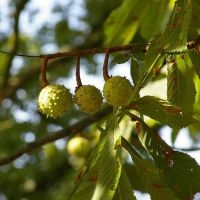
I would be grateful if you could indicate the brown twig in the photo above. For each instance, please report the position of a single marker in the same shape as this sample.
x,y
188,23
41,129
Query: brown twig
x,y
84,52
10,89
78,77
43,73
105,65
75,128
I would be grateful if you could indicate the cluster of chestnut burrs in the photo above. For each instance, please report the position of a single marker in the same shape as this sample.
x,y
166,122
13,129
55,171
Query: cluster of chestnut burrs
x,y
54,100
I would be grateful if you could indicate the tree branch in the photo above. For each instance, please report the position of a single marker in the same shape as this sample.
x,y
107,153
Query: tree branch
x,y
83,52
75,128
19,82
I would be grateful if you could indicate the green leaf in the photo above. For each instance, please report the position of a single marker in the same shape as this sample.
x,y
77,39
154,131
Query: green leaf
x,y
85,186
153,72
109,169
145,73
195,59
100,179
150,175
183,176
138,52
194,128
180,86
135,70
154,180
181,172
163,112
121,58
195,20
124,190
118,29
174,37
134,177
156,13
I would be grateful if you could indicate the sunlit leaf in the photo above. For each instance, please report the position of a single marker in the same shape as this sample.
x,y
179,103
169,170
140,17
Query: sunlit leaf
x,y
174,37
86,181
109,169
123,22
163,112
157,13
101,177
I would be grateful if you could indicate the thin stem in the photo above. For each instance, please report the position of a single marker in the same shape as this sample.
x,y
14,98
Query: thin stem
x,y
84,52
105,65
43,74
140,47
78,77
20,55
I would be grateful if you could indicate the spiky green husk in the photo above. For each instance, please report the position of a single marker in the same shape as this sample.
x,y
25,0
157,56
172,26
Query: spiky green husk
x,y
88,98
54,100
117,90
